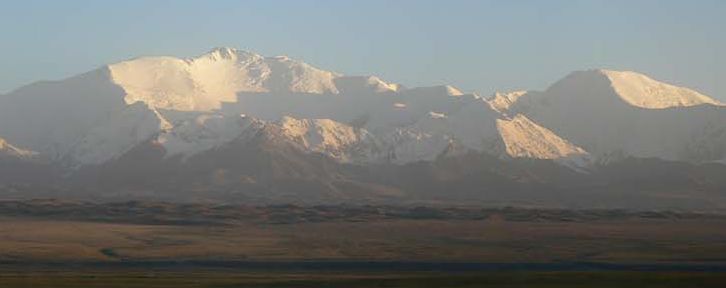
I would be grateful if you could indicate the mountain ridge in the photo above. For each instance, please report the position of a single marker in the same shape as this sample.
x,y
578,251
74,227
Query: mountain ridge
x,y
230,120
227,82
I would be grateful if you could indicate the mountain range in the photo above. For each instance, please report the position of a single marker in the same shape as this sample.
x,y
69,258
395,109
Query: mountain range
x,y
232,125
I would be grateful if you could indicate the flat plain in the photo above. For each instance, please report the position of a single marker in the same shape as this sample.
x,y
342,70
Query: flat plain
x,y
49,244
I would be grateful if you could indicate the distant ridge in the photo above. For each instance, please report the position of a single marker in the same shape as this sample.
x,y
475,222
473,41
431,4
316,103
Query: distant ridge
x,y
236,121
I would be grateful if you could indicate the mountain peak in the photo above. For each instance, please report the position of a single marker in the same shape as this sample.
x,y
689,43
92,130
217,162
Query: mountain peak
x,y
228,53
205,82
223,51
642,91
452,91
502,101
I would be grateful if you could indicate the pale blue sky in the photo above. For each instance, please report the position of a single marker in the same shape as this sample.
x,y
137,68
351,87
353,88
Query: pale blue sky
x,y
479,46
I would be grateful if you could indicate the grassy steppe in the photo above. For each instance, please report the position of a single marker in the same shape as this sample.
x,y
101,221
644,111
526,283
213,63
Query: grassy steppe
x,y
39,242
489,240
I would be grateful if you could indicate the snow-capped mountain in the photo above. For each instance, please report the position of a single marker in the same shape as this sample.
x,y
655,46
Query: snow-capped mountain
x,y
239,122
625,113
191,105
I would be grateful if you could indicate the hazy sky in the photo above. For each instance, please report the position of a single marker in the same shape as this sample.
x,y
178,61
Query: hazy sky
x,y
479,46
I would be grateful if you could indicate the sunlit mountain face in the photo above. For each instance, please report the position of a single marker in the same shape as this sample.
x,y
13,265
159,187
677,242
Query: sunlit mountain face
x,y
235,125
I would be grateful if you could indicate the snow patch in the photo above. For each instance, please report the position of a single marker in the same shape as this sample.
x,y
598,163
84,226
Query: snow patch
x,y
436,115
328,137
10,150
524,138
